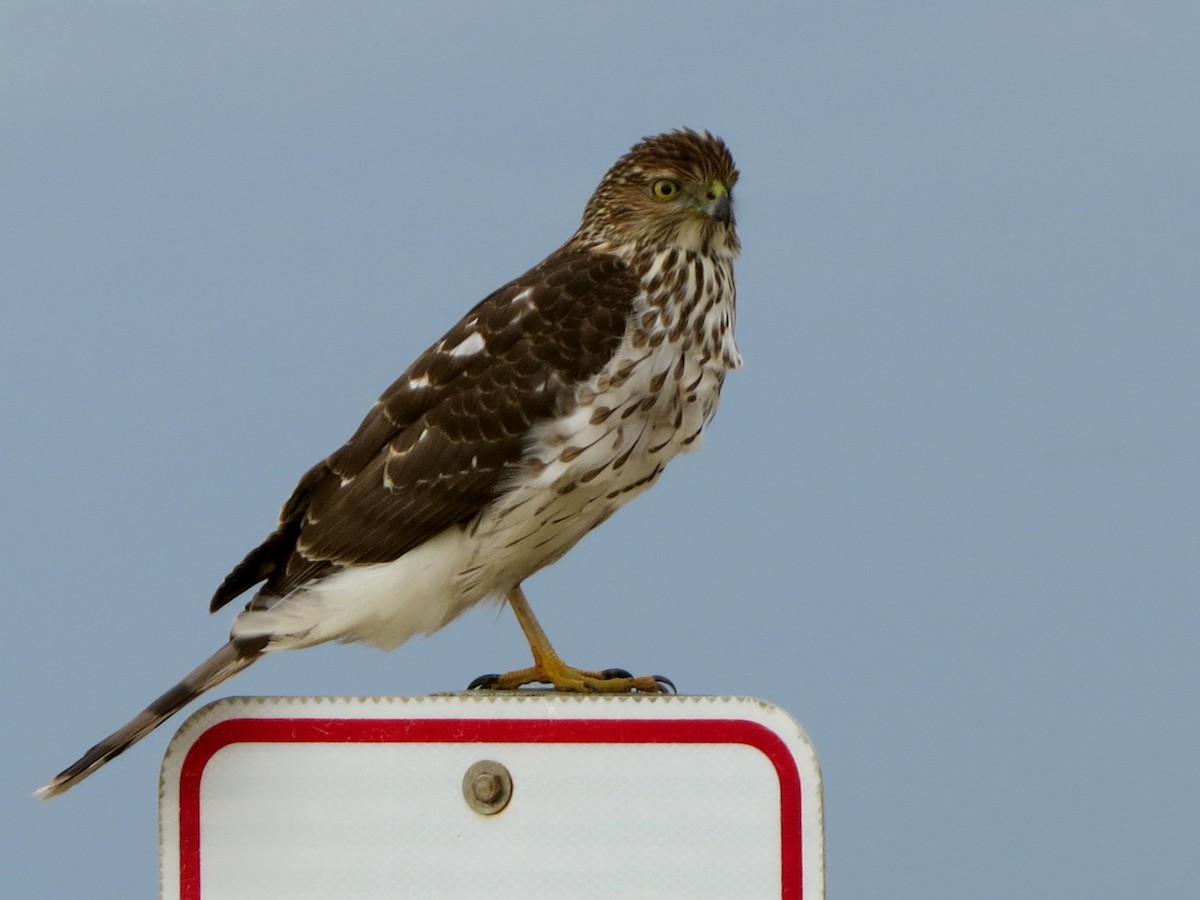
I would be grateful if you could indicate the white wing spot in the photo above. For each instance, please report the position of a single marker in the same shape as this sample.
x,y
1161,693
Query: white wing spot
x,y
421,381
470,345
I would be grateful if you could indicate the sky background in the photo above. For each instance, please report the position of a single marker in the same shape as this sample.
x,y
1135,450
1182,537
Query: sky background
x,y
947,516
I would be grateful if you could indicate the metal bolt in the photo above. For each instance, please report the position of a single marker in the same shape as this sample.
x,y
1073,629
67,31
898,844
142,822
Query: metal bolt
x,y
487,787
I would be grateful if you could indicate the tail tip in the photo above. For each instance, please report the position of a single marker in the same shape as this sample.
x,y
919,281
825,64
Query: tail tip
x,y
51,789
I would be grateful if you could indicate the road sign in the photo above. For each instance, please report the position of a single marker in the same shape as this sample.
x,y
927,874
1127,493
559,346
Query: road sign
x,y
525,795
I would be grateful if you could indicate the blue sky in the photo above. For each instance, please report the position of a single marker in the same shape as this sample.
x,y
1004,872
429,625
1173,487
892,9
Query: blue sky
x,y
947,514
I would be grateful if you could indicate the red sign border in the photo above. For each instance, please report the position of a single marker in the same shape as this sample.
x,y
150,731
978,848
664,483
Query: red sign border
x,y
510,731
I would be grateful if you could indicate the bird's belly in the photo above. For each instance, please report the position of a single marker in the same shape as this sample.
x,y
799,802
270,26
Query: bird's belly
x,y
580,469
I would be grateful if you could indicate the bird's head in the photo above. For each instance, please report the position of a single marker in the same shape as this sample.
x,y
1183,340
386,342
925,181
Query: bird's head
x,y
671,190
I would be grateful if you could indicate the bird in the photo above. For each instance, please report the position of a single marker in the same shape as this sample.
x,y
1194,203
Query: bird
x,y
553,402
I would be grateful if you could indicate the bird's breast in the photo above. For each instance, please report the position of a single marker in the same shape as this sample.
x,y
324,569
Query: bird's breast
x,y
650,402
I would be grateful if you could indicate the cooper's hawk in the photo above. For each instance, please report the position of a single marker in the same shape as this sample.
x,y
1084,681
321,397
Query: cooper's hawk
x,y
554,401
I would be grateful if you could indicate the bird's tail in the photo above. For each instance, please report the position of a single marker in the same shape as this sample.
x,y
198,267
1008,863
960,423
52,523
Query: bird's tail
x,y
228,661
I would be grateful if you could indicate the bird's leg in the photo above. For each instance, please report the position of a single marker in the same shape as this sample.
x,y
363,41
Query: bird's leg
x,y
548,667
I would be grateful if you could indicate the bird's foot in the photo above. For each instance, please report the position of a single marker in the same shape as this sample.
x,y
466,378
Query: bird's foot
x,y
580,681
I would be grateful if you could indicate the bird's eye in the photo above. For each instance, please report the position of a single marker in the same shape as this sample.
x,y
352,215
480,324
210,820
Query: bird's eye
x,y
665,189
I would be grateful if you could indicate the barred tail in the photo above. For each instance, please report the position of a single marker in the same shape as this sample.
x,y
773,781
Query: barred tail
x,y
228,661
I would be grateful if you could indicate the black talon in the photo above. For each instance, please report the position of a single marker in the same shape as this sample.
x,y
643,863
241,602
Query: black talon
x,y
484,682
667,683
615,673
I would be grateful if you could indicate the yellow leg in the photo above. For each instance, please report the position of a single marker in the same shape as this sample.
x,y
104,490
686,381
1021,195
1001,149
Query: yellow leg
x,y
548,667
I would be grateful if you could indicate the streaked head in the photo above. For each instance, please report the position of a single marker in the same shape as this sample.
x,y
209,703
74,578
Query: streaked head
x,y
674,189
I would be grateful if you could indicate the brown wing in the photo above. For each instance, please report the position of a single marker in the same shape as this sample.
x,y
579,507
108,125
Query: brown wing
x,y
438,443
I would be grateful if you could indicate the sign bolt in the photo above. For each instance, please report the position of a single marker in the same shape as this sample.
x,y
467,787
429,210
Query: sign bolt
x,y
487,787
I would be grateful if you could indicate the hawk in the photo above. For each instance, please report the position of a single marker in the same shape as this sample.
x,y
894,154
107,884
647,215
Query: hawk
x,y
552,403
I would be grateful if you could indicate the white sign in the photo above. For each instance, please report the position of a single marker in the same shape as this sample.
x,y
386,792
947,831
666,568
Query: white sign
x,y
521,795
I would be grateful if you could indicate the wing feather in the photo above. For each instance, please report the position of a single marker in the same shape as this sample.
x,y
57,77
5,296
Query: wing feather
x,y
440,442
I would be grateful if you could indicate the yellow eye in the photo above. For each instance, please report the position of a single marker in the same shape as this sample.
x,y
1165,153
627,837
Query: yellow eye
x,y
665,189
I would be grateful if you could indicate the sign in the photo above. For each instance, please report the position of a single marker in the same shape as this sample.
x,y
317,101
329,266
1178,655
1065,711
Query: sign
x,y
512,795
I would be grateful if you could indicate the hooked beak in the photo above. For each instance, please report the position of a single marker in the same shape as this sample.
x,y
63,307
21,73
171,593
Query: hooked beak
x,y
719,204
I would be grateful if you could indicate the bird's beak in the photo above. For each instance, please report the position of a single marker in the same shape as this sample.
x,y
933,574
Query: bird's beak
x,y
719,205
